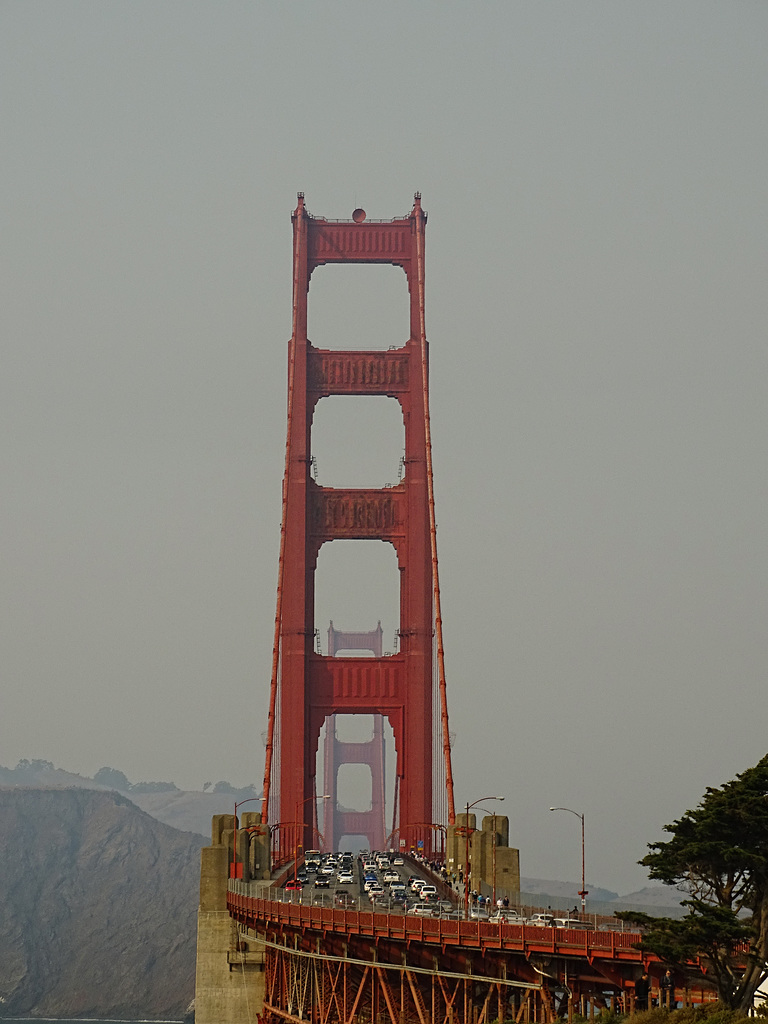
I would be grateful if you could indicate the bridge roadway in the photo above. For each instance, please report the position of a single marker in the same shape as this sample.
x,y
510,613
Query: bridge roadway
x,y
330,964
408,868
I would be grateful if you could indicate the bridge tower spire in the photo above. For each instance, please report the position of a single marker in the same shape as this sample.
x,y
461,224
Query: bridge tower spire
x,y
307,687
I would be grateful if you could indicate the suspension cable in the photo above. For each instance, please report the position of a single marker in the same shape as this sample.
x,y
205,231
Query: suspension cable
x,y
298,234
419,214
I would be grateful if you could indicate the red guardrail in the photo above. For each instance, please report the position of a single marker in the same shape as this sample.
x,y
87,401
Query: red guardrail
x,y
610,945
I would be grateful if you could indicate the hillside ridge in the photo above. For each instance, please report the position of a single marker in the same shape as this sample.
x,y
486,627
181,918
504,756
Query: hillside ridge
x,y
98,906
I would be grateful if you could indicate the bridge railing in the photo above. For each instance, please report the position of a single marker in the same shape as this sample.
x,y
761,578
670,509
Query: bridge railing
x,y
252,910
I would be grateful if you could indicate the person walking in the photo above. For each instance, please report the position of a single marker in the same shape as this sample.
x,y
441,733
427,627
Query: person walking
x,y
642,988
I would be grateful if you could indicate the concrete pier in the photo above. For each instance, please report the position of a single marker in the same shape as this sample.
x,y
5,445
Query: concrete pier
x,y
493,863
229,976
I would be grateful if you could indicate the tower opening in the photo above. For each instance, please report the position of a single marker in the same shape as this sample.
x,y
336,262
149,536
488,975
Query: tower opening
x,y
357,585
358,306
358,442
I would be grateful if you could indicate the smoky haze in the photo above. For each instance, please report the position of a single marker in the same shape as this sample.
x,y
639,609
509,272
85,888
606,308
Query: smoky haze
x,y
594,176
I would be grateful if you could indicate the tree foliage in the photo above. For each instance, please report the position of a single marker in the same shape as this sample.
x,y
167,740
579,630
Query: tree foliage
x,y
154,787
34,767
243,793
113,778
718,855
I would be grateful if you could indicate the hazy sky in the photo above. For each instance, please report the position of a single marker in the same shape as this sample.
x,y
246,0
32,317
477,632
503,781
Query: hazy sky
x,y
595,179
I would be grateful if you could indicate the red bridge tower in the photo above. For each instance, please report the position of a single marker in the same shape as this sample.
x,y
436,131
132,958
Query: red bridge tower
x,y
307,687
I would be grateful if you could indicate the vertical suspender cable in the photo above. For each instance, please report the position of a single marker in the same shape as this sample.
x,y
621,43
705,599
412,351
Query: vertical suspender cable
x,y
298,234
419,215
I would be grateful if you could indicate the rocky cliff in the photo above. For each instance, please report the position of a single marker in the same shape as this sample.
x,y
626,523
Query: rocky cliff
x,y
98,906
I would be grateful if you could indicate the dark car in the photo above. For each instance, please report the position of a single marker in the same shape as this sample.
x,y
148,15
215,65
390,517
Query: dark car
x,y
343,899
322,882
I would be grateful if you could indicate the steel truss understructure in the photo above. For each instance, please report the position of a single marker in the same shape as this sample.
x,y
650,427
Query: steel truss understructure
x,y
334,966
306,986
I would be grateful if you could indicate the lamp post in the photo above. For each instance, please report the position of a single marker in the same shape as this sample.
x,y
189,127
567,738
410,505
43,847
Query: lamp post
x,y
474,803
583,892
300,830
239,803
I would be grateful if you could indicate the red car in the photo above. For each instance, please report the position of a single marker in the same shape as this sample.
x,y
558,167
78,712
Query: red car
x,y
292,885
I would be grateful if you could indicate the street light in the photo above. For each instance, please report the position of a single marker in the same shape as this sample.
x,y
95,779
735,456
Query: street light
x,y
300,830
481,800
583,892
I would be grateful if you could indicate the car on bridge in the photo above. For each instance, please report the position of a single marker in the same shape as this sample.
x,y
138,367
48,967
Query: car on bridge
x,y
422,910
293,885
541,920
506,917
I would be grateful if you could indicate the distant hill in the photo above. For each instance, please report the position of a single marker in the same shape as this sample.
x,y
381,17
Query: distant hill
x,y
570,890
186,810
98,906
655,896
651,899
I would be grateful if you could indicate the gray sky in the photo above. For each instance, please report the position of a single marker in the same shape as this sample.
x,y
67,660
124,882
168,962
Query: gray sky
x,y
594,175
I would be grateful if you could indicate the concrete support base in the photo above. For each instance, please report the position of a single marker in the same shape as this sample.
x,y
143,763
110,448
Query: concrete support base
x,y
229,982
229,976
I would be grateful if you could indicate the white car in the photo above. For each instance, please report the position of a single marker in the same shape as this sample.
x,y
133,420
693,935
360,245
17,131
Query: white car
x,y
506,917
417,883
398,862
541,920
390,876
427,891
424,910
345,878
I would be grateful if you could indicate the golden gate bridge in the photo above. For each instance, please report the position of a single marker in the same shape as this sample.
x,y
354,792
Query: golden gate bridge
x,y
261,957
